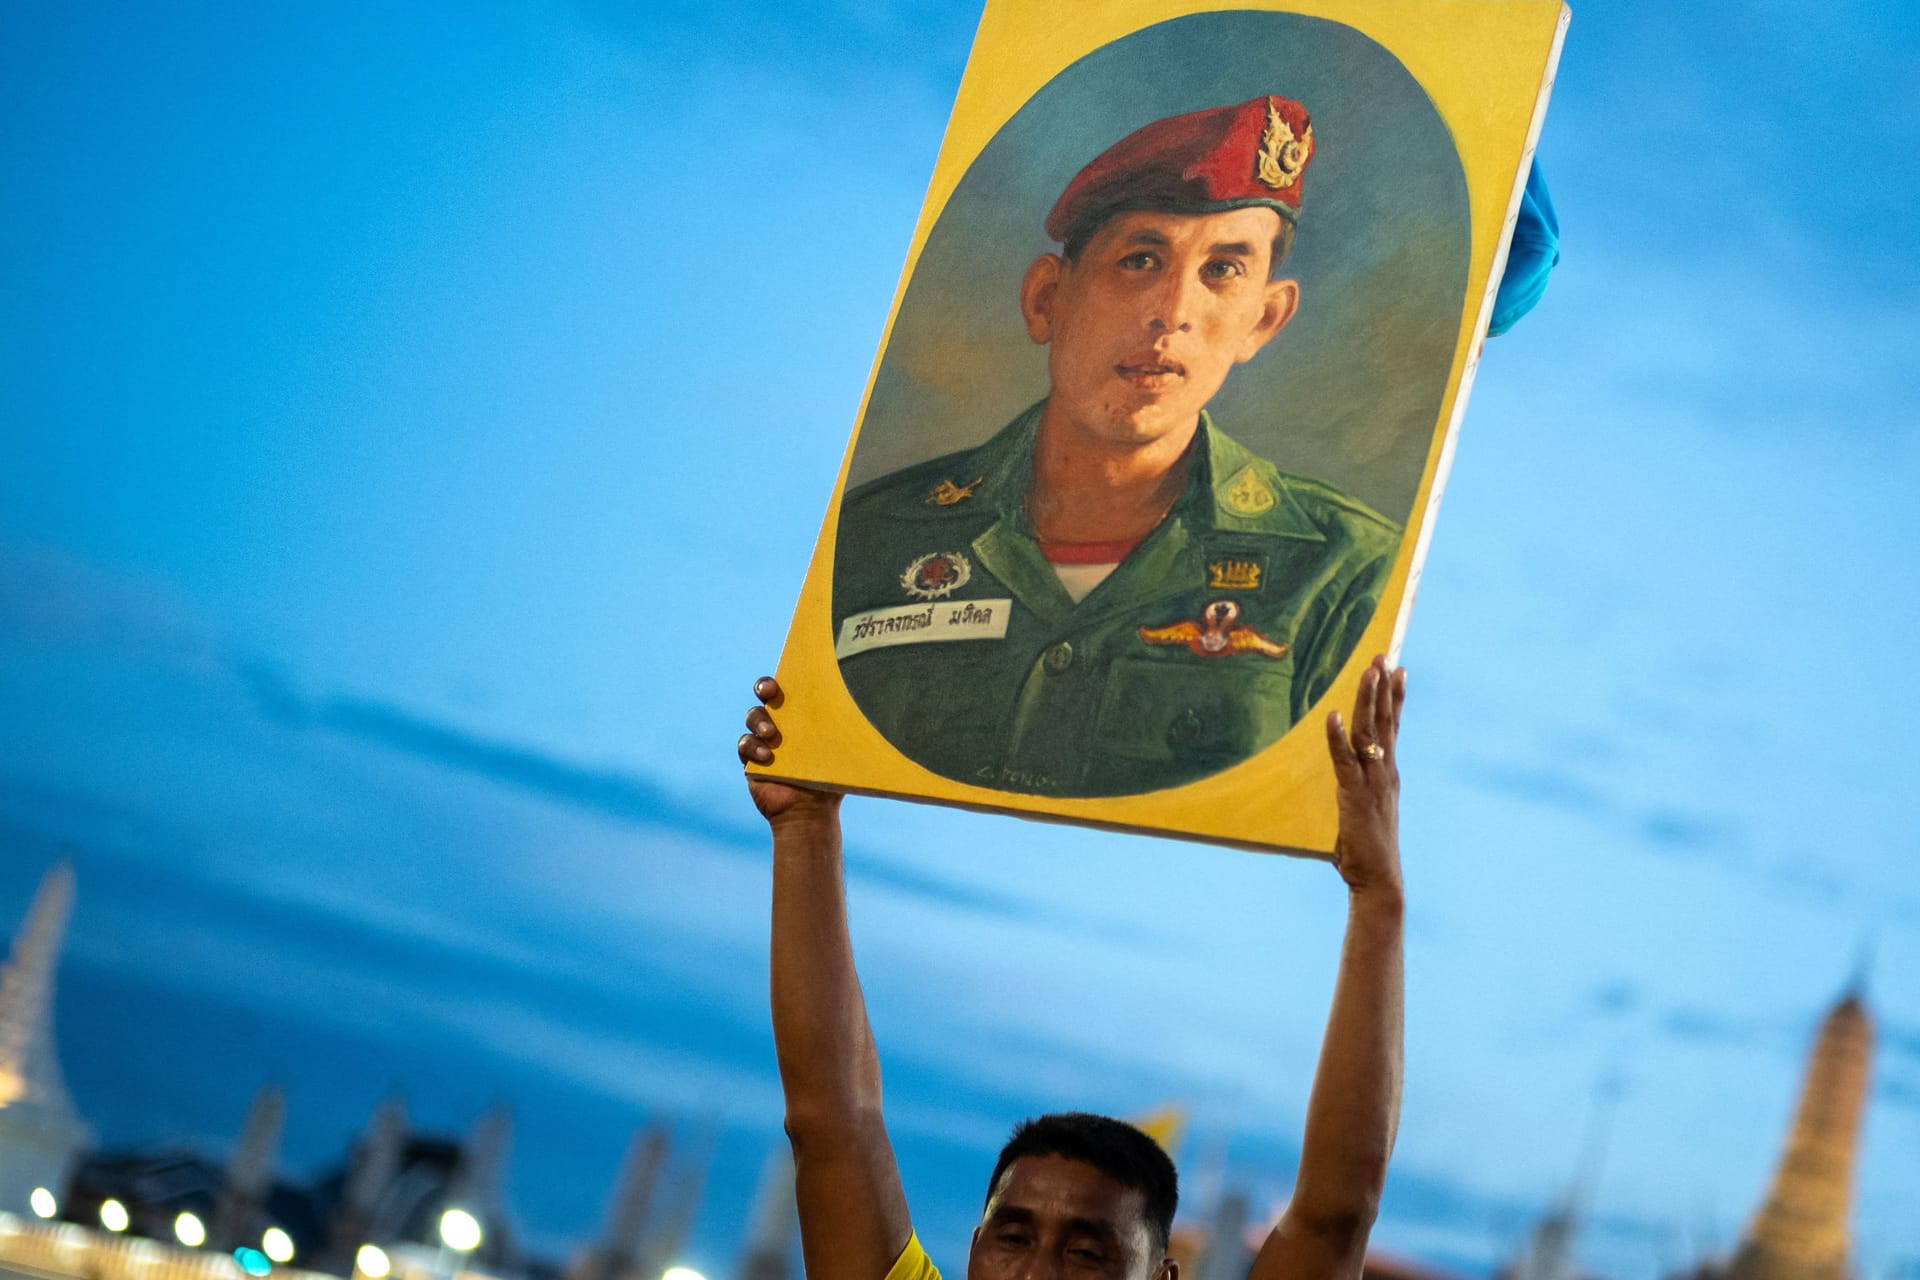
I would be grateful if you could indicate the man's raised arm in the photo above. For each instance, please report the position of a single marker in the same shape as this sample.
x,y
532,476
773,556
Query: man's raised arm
x,y
853,1213
1355,1105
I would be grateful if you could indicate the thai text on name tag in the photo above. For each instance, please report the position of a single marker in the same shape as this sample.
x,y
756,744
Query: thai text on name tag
x,y
923,624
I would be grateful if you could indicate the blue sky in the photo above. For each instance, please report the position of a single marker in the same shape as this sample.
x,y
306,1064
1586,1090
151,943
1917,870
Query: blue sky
x,y
415,427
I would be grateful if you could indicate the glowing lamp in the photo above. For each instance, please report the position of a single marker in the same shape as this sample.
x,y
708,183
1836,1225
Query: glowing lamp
x,y
277,1245
460,1230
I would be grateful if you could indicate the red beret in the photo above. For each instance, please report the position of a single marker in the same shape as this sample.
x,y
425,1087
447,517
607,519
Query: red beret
x,y
1252,154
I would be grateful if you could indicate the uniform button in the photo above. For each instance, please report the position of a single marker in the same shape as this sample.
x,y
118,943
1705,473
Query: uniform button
x,y
1059,657
1185,731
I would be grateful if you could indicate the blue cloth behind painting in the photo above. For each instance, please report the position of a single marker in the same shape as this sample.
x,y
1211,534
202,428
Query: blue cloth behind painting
x,y
1531,256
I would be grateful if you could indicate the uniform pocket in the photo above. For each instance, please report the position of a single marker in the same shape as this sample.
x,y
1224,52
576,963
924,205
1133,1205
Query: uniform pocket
x,y
946,707
1200,716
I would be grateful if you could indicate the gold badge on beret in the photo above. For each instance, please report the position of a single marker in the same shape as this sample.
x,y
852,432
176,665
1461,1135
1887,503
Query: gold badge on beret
x,y
1282,155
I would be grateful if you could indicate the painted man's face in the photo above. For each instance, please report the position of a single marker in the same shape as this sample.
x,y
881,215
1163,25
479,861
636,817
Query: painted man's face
x,y
1143,329
1055,1217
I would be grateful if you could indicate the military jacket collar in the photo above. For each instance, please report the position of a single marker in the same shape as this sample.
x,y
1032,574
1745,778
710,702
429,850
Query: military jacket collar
x,y
1231,497
1228,487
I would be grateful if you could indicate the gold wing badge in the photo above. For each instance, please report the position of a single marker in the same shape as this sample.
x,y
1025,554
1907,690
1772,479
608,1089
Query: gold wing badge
x,y
1213,635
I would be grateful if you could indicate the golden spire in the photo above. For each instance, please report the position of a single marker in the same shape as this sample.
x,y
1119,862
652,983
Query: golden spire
x,y
41,1135
1801,1231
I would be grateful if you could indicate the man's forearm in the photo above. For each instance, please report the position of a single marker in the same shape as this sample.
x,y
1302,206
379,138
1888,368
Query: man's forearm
x,y
1355,1105
829,1070
846,1184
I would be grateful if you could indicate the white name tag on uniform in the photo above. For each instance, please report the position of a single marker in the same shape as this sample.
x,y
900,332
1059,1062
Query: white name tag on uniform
x,y
923,624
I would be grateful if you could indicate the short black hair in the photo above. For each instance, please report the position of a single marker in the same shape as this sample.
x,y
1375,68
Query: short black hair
x,y
1114,1147
1081,234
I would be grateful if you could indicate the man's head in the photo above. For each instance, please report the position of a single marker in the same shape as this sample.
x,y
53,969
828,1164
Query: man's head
x,y
1077,1194
1168,273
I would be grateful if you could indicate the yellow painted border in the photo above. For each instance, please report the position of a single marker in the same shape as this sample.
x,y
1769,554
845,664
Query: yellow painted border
x,y
1488,66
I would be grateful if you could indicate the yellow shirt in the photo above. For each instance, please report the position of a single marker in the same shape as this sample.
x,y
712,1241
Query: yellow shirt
x,y
913,1263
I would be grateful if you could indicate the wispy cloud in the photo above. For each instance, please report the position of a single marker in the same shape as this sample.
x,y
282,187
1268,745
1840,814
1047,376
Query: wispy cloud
x,y
49,598
1671,829
1615,998
620,795
1706,1026
1903,1094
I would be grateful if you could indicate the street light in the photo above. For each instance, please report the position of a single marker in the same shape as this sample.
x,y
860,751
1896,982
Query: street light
x,y
682,1273
372,1261
277,1244
42,1203
114,1215
189,1230
460,1231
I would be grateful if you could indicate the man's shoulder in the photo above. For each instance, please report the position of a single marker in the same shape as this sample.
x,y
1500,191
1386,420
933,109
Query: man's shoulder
x,y
1253,495
1331,506
940,487
913,1263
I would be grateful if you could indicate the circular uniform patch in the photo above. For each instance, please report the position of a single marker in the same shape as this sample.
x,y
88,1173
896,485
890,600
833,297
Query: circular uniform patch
x,y
936,574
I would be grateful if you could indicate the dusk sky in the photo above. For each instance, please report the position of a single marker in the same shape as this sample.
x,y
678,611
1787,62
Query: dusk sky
x,y
414,425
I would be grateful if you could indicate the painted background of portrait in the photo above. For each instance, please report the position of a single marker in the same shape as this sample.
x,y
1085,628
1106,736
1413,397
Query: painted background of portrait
x,y
1349,390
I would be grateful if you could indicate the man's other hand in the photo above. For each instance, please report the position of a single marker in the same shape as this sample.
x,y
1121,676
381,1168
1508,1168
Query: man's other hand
x,y
1367,850
777,801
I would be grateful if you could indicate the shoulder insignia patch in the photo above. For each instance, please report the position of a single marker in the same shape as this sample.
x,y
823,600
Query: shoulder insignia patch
x,y
947,493
1248,494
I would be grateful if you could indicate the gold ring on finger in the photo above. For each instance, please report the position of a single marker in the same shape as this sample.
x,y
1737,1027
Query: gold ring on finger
x,y
1373,751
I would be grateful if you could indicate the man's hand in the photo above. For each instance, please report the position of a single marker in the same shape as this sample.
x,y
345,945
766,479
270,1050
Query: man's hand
x,y
778,802
1367,850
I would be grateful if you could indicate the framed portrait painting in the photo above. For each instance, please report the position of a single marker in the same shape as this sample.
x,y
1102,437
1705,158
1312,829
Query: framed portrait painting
x,y
1149,458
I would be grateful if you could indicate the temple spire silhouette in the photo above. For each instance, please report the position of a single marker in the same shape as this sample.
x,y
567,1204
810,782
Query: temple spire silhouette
x,y
622,1240
1802,1228
239,1211
41,1135
774,1222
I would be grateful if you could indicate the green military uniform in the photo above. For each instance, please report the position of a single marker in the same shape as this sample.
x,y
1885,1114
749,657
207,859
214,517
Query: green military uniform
x,y
1206,644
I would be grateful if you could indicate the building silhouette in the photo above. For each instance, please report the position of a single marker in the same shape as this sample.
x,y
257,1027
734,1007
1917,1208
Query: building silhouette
x,y
389,1190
